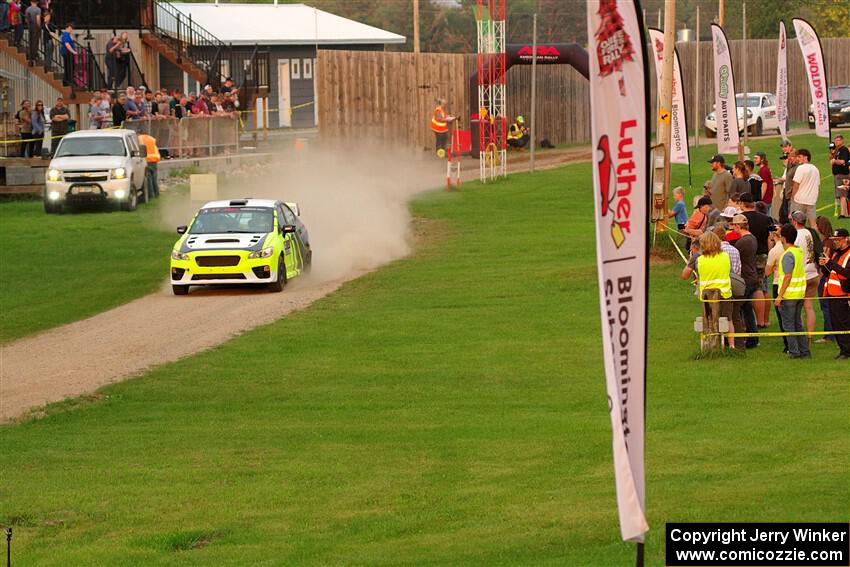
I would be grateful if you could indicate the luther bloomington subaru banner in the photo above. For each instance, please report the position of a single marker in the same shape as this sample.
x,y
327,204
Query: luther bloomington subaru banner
x,y
725,109
816,72
678,118
782,82
619,87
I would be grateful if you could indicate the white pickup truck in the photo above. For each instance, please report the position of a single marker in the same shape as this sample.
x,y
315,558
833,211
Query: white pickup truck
x,y
96,166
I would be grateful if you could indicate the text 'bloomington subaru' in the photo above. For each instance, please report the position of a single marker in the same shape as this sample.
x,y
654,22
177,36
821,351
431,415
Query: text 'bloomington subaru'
x,y
244,241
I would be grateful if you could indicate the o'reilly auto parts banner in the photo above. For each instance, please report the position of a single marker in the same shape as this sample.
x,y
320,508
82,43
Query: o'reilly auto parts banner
x,y
678,118
725,111
619,88
782,82
816,72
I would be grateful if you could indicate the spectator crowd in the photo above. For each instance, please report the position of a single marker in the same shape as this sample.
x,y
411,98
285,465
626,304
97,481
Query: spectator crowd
x,y
758,239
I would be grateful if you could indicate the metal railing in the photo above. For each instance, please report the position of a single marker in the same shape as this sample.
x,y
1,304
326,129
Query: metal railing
x,y
190,40
193,136
85,73
250,73
125,73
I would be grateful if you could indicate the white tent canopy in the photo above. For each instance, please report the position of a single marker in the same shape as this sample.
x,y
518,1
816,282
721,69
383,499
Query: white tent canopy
x,y
283,24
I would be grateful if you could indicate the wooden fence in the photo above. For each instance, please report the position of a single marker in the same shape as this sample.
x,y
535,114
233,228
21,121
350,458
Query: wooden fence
x,y
392,95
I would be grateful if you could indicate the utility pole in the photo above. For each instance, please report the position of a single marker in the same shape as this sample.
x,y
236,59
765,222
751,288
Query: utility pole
x,y
697,86
720,14
531,133
665,105
743,146
415,26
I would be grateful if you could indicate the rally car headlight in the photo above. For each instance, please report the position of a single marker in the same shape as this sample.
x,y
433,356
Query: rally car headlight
x,y
54,175
119,173
264,253
177,255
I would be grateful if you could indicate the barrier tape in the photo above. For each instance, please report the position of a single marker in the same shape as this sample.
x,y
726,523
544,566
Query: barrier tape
x,y
679,250
844,297
775,334
670,229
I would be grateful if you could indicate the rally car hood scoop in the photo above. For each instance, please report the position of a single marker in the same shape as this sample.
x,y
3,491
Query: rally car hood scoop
x,y
224,241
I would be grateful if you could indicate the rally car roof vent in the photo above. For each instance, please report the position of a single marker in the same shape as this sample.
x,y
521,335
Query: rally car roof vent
x,y
238,202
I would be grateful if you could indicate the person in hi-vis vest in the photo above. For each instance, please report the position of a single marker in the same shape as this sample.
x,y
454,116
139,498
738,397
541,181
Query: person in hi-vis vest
x,y
837,268
791,276
152,159
440,126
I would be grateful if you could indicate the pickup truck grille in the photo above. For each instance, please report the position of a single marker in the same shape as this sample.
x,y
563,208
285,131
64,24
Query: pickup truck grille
x,y
86,176
216,261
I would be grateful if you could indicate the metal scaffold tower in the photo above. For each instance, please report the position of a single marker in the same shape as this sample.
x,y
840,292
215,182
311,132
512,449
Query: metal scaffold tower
x,y
492,118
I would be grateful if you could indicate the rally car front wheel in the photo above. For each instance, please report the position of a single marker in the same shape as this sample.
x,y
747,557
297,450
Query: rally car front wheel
x,y
278,285
180,289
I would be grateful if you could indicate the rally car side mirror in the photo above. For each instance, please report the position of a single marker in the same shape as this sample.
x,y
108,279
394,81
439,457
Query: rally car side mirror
x,y
288,229
181,229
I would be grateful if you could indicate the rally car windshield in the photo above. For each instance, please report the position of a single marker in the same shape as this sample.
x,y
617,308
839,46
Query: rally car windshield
x,y
89,146
233,219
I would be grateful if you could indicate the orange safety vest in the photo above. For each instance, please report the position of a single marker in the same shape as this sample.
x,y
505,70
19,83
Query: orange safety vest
x,y
833,284
438,121
150,144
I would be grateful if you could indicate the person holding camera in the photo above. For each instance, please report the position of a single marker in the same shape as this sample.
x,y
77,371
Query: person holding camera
x,y
839,157
838,285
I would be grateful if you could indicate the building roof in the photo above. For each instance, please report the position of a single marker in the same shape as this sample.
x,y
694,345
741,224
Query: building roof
x,y
282,24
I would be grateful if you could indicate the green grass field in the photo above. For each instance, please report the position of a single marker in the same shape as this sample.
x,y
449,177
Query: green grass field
x,y
57,269
448,409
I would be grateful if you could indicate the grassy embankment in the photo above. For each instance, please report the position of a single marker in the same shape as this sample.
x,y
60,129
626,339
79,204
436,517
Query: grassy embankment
x,y
448,409
61,268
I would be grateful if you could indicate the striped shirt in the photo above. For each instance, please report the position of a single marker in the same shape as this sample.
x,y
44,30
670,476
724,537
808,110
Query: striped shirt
x,y
734,256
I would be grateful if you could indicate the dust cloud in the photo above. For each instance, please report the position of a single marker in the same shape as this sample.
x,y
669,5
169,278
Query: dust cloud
x,y
352,200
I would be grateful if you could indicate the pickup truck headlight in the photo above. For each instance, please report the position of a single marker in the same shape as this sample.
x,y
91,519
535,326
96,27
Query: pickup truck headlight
x,y
264,253
119,173
177,255
749,113
845,109
710,116
54,175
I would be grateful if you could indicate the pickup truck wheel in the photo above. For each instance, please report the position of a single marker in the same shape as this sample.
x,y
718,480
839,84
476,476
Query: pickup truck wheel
x,y
180,289
278,286
710,133
53,208
132,200
758,128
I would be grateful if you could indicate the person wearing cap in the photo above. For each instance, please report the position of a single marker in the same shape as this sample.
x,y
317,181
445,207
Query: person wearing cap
x,y
766,177
806,187
747,245
839,157
792,291
518,133
759,225
782,193
227,86
810,245
721,182
698,223
838,285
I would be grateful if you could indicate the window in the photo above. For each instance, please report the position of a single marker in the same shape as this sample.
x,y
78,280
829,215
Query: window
x,y
288,216
308,68
296,69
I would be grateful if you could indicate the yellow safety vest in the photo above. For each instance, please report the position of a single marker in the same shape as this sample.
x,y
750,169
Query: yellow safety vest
x,y
714,273
797,288
514,132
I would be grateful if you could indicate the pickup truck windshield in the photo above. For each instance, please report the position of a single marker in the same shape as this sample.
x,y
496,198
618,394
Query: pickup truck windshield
x,y
91,146
233,219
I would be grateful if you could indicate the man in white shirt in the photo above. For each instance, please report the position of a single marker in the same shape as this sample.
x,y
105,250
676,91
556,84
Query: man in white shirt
x,y
804,195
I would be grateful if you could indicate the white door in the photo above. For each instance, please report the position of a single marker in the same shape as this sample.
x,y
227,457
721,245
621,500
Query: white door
x,y
283,104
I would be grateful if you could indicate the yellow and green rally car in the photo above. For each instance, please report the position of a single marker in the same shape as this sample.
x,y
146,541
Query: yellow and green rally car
x,y
246,241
